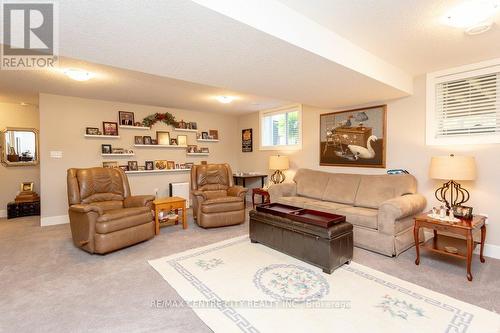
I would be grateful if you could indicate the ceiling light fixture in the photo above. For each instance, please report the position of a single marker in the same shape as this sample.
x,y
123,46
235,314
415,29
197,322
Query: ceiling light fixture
x,y
78,74
225,99
473,16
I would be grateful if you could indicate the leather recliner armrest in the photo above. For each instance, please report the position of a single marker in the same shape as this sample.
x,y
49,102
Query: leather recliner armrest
x,y
199,194
79,208
138,201
237,191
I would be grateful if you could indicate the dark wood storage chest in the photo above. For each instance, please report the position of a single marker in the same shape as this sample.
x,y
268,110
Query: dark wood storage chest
x,y
19,209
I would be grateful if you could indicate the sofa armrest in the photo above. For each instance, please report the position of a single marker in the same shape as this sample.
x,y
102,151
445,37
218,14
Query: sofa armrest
x,y
200,195
237,191
277,191
138,201
392,210
83,209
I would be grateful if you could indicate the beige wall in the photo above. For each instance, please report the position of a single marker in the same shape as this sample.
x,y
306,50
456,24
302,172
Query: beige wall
x,y
63,121
15,115
406,149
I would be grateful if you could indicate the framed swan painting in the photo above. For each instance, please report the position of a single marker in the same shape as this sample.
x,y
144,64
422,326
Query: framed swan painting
x,y
354,138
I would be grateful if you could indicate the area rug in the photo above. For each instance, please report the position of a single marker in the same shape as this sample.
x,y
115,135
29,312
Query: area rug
x,y
237,286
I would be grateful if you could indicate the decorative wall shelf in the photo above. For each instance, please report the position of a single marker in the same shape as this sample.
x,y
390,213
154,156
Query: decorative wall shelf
x,y
117,155
198,154
157,171
160,146
102,136
135,127
207,140
185,130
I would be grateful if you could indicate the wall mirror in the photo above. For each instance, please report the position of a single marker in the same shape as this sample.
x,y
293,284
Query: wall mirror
x,y
19,146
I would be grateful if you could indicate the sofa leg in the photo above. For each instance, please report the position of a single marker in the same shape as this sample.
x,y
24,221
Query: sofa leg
x,y
327,271
253,241
348,262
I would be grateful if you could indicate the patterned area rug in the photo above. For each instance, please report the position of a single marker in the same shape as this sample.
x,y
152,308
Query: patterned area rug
x,y
237,286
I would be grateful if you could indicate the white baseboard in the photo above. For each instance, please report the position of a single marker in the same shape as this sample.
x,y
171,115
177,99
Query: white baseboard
x,y
53,220
3,213
490,250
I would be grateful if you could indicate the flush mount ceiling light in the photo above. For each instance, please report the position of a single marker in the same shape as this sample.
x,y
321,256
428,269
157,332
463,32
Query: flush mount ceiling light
x,y
473,16
78,74
225,99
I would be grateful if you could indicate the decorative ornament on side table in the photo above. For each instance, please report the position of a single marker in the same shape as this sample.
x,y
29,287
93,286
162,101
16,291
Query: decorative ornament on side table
x,y
278,163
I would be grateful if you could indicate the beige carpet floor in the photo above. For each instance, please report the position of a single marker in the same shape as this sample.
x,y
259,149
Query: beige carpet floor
x,y
47,285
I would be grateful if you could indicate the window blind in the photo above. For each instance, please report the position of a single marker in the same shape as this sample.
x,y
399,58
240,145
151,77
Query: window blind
x,y
468,106
281,128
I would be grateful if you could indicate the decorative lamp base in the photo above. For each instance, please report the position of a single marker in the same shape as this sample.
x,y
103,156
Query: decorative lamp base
x,y
454,191
278,177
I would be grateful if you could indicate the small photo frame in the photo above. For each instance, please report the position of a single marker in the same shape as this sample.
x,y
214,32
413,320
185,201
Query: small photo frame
x,y
214,134
189,165
192,149
92,131
137,124
173,142
124,167
118,151
110,128
147,140
106,149
182,140
132,166
138,140
110,164
170,165
27,187
194,125
204,150
160,164
181,124
126,118
154,142
149,165
462,212
204,135
163,138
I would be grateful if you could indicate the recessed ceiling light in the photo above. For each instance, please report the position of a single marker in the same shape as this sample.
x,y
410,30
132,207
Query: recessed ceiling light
x,y
474,16
78,74
225,99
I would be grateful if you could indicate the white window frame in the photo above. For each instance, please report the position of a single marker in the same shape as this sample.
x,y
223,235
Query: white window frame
x,y
457,73
285,109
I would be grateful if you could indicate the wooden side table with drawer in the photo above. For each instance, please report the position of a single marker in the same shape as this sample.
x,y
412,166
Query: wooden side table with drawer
x,y
169,204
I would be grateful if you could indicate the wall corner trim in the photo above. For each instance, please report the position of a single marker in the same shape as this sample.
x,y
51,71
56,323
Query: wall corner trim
x,y
54,220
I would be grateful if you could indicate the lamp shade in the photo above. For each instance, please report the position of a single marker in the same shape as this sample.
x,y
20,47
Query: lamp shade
x,y
278,162
453,168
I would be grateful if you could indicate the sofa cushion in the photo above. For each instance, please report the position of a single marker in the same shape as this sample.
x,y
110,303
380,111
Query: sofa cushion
x,y
311,183
363,217
342,188
296,201
375,189
222,204
118,219
325,206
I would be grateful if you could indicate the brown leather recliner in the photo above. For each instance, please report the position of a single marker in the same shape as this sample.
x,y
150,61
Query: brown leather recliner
x,y
216,201
103,215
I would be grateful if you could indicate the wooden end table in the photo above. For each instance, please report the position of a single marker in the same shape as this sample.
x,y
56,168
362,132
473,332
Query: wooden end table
x,y
437,244
263,193
168,204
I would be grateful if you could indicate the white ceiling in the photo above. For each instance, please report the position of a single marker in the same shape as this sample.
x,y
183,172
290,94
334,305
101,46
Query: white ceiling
x,y
152,52
115,84
406,33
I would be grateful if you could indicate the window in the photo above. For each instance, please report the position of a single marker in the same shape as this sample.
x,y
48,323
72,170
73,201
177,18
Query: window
x,y
281,128
463,105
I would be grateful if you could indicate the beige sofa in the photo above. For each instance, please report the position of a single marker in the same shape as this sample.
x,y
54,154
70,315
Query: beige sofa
x,y
380,207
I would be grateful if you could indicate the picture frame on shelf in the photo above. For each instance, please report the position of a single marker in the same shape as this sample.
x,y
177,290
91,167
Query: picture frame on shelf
x,y
170,165
177,165
27,187
106,149
163,137
182,140
147,140
137,124
124,167
92,131
138,140
110,164
154,142
160,164
132,166
204,135
182,166
149,165
204,150
214,134
173,142
110,128
189,165
194,125
188,125
181,124
126,118
192,149
142,167
117,150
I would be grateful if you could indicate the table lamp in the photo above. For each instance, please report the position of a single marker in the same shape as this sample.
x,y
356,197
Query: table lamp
x,y
278,163
452,168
